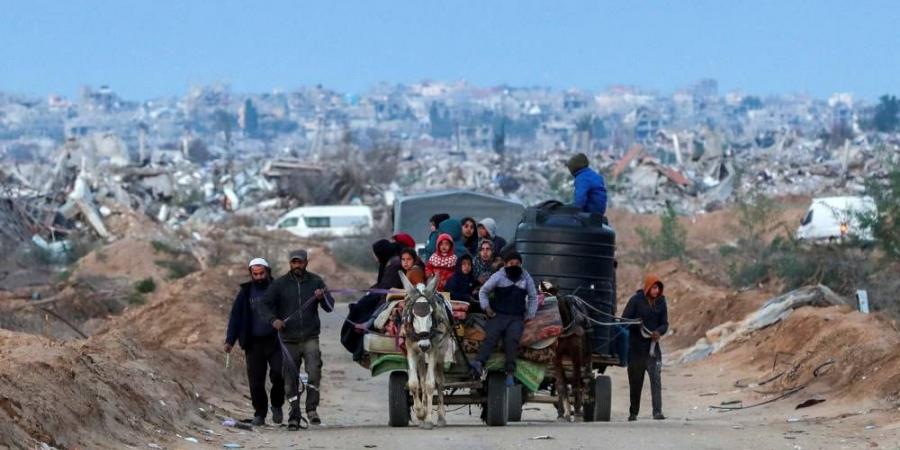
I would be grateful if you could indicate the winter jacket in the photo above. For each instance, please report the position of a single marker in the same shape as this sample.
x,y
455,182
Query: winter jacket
x,y
505,290
442,265
590,191
240,321
653,317
284,300
461,286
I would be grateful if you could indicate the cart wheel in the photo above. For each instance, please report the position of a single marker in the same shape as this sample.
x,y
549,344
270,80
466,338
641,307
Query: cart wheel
x,y
398,400
515,400
497,400
599,405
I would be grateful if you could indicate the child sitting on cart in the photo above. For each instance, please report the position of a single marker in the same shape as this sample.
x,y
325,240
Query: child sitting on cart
x,y
513,303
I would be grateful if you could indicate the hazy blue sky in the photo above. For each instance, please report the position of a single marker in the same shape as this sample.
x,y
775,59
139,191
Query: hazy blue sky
x,y
150,48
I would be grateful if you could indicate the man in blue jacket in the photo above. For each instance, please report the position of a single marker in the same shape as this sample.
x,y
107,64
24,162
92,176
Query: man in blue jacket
x,y
257,338
590,189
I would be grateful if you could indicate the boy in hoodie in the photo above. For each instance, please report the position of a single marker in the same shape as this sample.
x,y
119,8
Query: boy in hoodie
x,y
644,354
514,302
442,263
590,188
462,284
487,229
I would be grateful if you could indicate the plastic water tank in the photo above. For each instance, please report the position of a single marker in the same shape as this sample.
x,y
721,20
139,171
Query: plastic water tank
x,y
576,252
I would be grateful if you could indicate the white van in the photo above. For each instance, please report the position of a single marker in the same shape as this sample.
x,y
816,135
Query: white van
x,y
834,218
327,221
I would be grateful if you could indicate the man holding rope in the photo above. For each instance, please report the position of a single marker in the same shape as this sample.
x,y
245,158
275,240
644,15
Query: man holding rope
x,y
649,306
291,305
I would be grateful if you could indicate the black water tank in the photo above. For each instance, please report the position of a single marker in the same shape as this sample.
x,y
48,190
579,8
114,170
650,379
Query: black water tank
x,y
576,252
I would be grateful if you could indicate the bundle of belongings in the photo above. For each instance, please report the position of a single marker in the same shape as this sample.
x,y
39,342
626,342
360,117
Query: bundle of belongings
x,y
537,340
384,344
387,321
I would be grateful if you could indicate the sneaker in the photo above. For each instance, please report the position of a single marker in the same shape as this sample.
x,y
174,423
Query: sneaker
x,y
314,418
293,425
277,416
659,416
258,421
632,418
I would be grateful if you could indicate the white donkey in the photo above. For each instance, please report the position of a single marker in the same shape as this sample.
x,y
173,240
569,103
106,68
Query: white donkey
x,y
427,328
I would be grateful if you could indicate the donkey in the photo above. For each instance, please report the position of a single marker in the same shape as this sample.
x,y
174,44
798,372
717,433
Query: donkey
x,y
573,344
426,328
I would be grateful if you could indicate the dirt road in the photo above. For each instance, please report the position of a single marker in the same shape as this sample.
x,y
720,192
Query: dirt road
x,y
355,417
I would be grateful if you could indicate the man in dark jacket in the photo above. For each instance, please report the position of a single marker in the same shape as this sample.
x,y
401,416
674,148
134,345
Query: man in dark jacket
x,y
590,189
644,355
291,305
514,302
257,338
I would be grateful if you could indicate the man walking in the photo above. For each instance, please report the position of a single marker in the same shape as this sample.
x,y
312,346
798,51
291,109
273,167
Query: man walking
x,y
257,337
590,189
514,302
291,305
644,355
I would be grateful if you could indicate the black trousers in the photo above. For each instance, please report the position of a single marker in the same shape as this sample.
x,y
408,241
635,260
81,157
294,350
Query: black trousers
x,y
638,363
508,328
263,354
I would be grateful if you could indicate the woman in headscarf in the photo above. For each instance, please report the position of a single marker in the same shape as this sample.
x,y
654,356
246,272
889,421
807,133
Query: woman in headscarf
x,y
384,251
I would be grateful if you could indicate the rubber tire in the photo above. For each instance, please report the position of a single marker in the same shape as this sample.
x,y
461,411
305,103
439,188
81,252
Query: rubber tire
x,y
497,412
515,399
599,406
398,400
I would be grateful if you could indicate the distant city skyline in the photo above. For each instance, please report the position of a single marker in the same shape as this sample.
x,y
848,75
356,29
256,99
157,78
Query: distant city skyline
x,y
146,49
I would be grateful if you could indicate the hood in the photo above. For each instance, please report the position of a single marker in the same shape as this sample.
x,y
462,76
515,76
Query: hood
x,y
405,240
649,281
384,250
483,241
459,265
451,227
490,225
577,162
441,238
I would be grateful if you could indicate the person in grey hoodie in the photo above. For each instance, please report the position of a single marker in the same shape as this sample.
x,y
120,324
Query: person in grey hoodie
x,y
487,229
291,305
514,302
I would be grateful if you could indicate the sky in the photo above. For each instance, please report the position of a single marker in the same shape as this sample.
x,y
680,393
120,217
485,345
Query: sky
x,y
144,49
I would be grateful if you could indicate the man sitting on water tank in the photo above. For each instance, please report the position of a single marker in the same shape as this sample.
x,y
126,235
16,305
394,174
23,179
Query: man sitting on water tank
x,y
590,189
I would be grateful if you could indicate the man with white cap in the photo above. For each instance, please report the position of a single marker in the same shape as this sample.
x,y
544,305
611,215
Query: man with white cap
x,y
291,306
257,338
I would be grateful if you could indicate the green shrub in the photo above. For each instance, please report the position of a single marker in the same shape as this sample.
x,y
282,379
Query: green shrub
x,y
670,242
176,268
162,247
145,286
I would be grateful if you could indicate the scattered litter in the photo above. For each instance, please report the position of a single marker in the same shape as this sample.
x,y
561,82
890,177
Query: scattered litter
x,y
154,446
793,419
871,427
543,437
810,402
709,394
232,445
191,439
